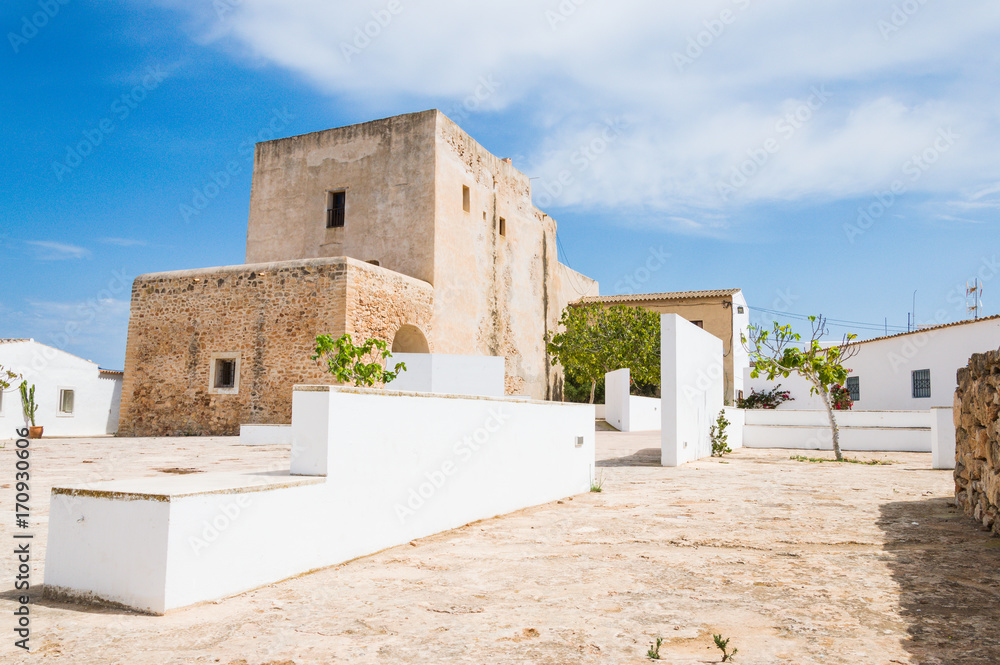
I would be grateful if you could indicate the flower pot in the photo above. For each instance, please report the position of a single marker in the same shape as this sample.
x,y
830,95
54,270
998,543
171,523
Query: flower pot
x,y
35,432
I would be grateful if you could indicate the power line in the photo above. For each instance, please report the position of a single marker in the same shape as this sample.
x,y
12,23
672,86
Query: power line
x,y
837,323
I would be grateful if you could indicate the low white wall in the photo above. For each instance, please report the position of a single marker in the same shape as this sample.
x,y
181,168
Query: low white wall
x,y
398,466
600,412
265,435
616,394
626,412
735,429
449,374
900,431
692,377
943,437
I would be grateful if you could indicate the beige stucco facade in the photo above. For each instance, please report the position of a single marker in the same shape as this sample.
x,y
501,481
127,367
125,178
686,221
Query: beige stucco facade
x,y
423,202
723,312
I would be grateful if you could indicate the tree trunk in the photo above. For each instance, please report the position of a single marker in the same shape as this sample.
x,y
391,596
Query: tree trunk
x,y
833,423
593,387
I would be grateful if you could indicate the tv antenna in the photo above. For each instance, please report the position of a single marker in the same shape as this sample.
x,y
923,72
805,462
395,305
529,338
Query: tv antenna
x,y
974,295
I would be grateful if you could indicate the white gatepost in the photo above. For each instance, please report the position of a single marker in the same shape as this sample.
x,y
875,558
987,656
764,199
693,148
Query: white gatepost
x,y
616,393
693,381
943,437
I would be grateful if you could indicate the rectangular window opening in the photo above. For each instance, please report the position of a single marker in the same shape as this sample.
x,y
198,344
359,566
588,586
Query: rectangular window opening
x,y
336,202
700,324
66,401
854,387
225,373
921,383
503,227
466,203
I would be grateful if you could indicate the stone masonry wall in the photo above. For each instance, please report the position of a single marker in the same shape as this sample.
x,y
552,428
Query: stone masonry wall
x,y
270,315
977,425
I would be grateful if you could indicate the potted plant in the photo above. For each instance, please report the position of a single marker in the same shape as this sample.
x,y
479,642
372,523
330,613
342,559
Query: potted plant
x,y
30,409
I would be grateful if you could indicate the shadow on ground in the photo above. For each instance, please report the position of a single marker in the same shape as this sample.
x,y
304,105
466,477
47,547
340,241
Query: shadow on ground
x,y
948,572
644,457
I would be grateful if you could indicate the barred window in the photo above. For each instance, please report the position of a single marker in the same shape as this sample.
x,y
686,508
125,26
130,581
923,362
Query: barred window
x,y
854,387
921,383
336,203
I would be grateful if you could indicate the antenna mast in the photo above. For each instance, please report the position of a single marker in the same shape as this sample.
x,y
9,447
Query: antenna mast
x,y
975,293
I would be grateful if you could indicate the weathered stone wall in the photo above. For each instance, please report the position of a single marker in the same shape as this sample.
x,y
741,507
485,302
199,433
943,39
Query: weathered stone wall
x,y
977,428
270,315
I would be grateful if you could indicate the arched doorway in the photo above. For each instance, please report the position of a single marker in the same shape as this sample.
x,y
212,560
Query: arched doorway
x,y
409,339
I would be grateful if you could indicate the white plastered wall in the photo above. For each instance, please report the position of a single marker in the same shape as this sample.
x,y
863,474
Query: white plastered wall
x,y
96,394
692,387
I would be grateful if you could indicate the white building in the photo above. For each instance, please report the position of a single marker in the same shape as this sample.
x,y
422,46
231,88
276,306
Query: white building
x,y
912,371
75,397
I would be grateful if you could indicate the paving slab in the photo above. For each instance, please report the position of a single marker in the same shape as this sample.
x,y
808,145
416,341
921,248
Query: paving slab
x,y
795,562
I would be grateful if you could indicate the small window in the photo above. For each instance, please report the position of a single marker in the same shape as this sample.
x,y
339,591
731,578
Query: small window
x,y
224,374
484,215
466,203
921,383
66,401
700,324
336,202
740,310
854,387
374,262
503,227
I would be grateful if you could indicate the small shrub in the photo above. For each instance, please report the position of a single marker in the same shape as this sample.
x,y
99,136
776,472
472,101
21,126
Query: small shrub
x,y
598,484
723,644
654,651
768,399
719,437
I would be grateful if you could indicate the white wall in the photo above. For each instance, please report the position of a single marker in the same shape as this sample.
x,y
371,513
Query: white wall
x,y
265,435
693,381
449,374
626,412
735,429
884,368
383,468
901,431
97,395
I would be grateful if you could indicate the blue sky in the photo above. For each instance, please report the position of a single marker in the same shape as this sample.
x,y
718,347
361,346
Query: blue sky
x,y
824,157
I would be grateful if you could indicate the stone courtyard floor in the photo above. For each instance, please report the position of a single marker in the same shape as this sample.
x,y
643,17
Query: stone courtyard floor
x,y
796,562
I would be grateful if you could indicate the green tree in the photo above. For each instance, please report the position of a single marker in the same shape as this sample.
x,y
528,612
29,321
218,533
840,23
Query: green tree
x,y
779,352
362,365
595,340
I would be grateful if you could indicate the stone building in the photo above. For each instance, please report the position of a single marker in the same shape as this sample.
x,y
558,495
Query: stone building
x,y
404,229
722,312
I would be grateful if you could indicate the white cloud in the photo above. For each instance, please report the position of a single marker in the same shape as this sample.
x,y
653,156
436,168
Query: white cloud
x,y
57,251
686,123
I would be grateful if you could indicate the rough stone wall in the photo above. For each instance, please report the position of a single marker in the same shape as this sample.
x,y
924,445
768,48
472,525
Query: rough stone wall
x,y
270,315
977,428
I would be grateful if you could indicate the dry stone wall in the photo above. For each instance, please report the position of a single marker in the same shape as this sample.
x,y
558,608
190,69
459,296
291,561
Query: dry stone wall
x,y
268,314
977,453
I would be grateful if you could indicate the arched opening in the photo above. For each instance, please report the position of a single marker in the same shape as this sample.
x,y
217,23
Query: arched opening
x,y
409,339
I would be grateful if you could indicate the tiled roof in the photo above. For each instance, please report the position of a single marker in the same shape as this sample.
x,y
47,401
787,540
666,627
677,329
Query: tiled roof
x,y
110,371
673,295
929,328
11,341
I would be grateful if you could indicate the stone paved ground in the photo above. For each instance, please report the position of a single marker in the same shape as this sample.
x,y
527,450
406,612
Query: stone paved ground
x,y
795,562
